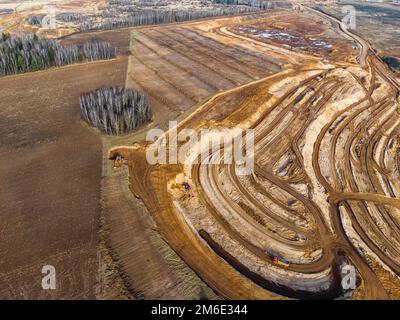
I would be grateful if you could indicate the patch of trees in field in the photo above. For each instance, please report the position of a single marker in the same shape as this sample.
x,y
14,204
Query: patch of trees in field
x,y
115,110
97,50
69,17
6,11
32,53
34,20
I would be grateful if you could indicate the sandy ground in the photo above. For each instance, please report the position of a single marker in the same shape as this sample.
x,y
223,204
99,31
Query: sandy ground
x,y
159,273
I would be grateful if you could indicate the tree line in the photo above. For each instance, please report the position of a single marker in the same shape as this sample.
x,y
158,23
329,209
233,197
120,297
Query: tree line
x,y
115,110
126,13
69,16
260,4
134,17
31,53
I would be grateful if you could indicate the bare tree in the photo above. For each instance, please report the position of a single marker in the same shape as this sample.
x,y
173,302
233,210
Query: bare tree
x,y
31,53
115,110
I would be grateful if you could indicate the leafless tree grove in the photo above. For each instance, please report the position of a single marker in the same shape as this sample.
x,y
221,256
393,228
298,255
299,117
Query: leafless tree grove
x,y
115,110
31,53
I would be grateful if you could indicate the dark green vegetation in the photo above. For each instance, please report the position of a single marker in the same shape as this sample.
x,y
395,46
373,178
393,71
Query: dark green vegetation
x,y
26,53
115,110
392,62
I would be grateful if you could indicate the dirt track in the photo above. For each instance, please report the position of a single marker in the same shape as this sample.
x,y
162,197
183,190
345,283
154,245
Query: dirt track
x,y
324,191
325,137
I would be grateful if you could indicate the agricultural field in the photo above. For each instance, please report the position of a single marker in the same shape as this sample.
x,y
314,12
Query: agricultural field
x,y
50,181
313,192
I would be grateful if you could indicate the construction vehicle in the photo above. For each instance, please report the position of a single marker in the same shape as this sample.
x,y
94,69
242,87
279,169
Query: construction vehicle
x,y
186,185
281,262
